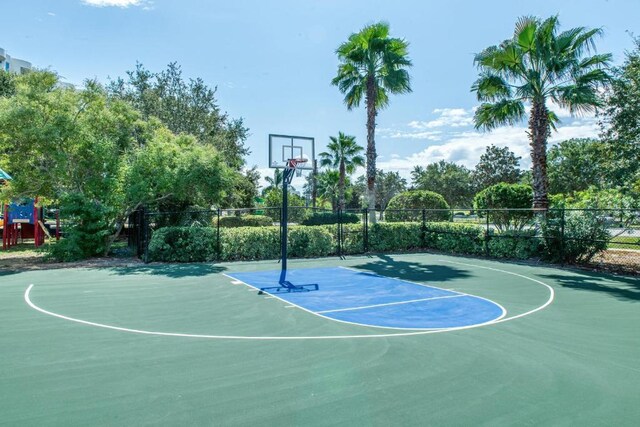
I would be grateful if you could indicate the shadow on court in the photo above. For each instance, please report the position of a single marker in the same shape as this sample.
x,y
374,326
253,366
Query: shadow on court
x,y
624,288
170,270
414,271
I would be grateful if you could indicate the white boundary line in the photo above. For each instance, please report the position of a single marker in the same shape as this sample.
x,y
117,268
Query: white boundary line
x,y
295,338
388,303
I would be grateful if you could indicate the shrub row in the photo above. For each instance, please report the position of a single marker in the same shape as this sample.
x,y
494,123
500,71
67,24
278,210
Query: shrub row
x,y
245,221
583,238
321,218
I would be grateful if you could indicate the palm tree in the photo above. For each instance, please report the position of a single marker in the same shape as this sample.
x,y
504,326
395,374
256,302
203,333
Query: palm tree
x,y
329,187
373,65
539,64
275,183
344,154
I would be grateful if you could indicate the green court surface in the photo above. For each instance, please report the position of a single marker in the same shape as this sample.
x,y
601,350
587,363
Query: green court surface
x,y
187,345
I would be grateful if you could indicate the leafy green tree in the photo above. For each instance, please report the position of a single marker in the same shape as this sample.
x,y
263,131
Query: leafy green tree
x,y
496,165
297,211
450,180
621,122
537,65
184,107
372,66
343,153
388,185
85,150
577,164
7,84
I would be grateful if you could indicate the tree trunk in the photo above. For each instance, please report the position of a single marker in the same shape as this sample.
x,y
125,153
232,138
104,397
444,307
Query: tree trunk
x,y
538,133
371,148
341,186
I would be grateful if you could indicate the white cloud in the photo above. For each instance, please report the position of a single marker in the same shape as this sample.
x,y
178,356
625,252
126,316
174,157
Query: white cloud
x,y
465,148
51,14
113,3
448,117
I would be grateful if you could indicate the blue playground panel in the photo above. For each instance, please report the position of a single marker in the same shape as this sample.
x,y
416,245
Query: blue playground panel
x,y
373,300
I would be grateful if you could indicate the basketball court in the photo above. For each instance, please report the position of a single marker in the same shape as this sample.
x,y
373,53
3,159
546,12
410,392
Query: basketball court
x,y
385,340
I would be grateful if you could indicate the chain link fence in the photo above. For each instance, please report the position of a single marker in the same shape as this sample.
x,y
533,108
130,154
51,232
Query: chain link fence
x,y
602,238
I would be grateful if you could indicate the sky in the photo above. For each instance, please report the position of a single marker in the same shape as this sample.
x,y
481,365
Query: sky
x,y
272,61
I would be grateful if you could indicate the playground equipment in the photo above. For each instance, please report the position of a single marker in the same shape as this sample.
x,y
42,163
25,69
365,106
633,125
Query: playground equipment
x,y
23,219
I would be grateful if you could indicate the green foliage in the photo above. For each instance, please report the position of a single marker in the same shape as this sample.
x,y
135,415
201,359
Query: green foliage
x,y
585,235
400,236
305,242
388,185
514,245
450,180
576,164
66,141
245,221
506,196
7,84
184,107
320,218
496,165
537,65
183,244
297,210
87,230
456,238
416,201
621,117
250,243
372,66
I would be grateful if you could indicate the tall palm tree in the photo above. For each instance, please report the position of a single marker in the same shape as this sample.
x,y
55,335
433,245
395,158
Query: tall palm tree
x,y
344,154
372,66
275,183
537,65
329,187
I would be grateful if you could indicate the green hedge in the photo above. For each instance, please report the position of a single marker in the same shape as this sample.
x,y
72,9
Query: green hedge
x,y
321,218
199,244
183,244
245,221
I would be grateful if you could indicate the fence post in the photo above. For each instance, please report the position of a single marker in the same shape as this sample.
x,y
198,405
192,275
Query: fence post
x,y
365,231
145,222
562,237
219,247
423,229
486,235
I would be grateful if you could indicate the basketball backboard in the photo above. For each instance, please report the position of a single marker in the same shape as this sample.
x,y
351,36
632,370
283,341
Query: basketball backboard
x,y
285,147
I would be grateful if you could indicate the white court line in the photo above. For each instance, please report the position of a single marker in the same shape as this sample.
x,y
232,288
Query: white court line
x,y
27,299
389,303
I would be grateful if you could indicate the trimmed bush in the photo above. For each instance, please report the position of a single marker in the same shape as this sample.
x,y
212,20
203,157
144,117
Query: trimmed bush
x,y
244,221
402,236
352,238
515,245
457,238
308,242
506,196
250,243
321,218
415,201
183,244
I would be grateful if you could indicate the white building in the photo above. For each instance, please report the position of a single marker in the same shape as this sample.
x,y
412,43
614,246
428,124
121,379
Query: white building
x,y
13,65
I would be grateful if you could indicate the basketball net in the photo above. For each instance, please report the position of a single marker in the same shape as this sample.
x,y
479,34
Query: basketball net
x,y
293,164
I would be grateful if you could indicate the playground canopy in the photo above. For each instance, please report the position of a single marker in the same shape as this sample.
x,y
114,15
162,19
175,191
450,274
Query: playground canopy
x,y
4,176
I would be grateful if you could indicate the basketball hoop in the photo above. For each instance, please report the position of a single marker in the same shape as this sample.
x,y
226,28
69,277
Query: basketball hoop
x,y
294,163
